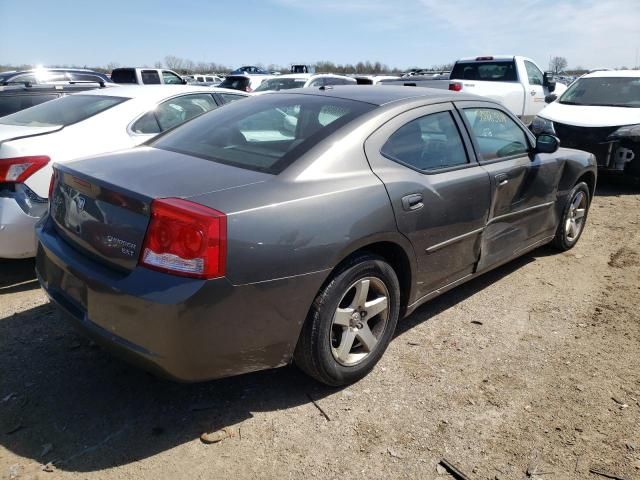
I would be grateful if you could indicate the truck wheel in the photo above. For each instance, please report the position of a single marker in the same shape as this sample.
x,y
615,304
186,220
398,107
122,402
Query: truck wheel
x,y
350,323
574,218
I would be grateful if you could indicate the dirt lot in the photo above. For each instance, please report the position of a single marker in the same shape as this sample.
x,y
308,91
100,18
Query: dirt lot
x,y
533,367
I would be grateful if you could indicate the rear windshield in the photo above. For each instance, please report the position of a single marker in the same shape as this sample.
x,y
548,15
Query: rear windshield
x,y
486,71
604,92
124,75
63,111
281,84
236,83
266,134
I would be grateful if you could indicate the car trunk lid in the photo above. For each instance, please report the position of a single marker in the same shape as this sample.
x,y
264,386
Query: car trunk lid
x,y
101,205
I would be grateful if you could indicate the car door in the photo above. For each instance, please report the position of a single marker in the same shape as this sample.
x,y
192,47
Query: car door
x,y
170,113
534,92
523,184
439,193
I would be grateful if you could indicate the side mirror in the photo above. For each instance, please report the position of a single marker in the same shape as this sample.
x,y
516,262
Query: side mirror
x,y
552,97
184,81
548,81
546,143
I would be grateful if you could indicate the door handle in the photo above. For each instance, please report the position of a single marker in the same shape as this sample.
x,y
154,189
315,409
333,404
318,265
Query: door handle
x,y
412,202
502,179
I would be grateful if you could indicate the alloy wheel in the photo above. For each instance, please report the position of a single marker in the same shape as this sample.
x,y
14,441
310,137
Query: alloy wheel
x,y
576,216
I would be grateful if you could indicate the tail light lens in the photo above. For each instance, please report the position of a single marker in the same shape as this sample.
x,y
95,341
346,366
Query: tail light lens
x,y
455,87
18,169
185,238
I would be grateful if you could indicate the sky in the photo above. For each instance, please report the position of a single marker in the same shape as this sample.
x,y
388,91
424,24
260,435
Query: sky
x,y
400,33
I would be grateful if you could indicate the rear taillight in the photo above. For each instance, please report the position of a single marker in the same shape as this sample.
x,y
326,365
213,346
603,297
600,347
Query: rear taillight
x,y
455,87
185,238
52,182
18,169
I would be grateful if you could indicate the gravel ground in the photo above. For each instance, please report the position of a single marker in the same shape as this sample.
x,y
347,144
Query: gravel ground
x,y
532,370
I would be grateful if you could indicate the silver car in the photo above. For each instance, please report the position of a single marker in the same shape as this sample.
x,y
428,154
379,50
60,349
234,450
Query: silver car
x,y
300,226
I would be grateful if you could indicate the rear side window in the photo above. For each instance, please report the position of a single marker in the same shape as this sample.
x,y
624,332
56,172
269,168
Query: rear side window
x,y
150,77
496,134
85,77
173,112
63,111
485,71
235,83
230,97
266,134
12,104
428,143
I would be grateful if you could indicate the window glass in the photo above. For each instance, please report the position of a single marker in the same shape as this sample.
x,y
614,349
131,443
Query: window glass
x,y
502,71
63,111
281,84
230,97
150,77
86,77
147,124
15,103
318,82
26,78
180,109
534,73
604,91
496,133
235,83
266,134
46,76
171,78
124,75
338,81
427,143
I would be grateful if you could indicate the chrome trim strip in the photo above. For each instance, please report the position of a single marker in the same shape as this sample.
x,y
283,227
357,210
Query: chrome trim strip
x,y
446,243
440,290
524,210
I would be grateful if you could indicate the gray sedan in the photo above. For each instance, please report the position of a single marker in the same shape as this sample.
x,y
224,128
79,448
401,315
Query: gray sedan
x,y
300,226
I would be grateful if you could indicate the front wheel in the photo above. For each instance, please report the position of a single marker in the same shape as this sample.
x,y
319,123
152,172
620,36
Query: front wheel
x,y
574,217
351,322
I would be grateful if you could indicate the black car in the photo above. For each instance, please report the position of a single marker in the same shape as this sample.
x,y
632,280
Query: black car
x,y
14,98
52,75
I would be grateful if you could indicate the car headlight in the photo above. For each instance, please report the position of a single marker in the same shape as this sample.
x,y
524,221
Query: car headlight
x,y
542,125
628,132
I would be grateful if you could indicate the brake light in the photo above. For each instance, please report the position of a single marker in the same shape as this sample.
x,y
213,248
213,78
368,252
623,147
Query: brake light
x,y
18,169
480,59
455,87
185,238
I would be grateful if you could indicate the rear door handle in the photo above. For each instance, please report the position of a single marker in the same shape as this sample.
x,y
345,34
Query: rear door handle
x,y
502,179
412,202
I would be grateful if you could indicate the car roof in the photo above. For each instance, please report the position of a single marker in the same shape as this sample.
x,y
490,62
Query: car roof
x,y
155,92
613,73
379,94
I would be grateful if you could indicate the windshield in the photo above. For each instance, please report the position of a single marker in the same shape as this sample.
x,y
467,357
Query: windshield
x,y
63,111
281,84
604,92
499,71
266,134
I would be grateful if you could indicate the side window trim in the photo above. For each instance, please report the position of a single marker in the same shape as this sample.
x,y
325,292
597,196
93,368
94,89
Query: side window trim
x,y
479,104
472,160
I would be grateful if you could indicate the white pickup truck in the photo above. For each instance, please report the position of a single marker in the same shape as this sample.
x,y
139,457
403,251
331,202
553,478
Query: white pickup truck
x,y
516,82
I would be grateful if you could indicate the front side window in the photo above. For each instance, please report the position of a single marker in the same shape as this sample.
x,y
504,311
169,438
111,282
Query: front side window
x,y
496,134
171,78
428,143
603,92
63,111
266,134
150,77
533,73
178,110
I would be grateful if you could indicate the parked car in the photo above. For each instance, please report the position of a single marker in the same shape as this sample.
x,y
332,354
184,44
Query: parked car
x,y
375,79
303,80
87,123
249,70
245,83
51,75
599,113
146,76
234,243
516,82
16,97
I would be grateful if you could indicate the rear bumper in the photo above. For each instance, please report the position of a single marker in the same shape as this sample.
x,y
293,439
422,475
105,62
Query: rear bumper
x,y
17,230
189,330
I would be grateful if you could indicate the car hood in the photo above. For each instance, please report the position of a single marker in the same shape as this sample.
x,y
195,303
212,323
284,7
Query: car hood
x,y
14,132
580,116
157,173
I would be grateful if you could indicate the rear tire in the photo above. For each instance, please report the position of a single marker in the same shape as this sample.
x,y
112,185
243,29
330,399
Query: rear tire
x,y
351,322
574,218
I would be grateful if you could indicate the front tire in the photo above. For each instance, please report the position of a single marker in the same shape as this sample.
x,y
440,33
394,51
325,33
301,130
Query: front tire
x,y
574,217
351,322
